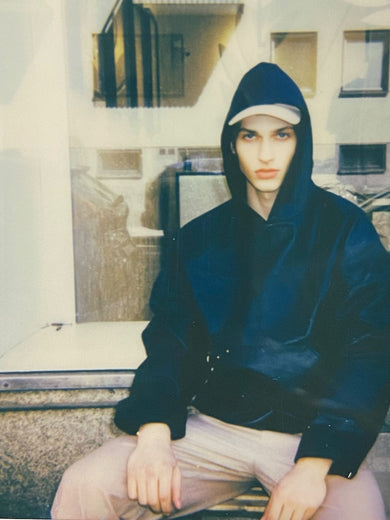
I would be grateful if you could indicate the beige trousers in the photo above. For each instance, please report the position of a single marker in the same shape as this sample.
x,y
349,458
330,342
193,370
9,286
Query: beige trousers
x,y
217,461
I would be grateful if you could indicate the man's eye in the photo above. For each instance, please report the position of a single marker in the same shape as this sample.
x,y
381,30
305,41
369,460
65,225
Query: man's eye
x,y
249,136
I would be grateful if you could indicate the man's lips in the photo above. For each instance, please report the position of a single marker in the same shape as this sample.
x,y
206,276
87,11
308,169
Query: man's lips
x,y
266,173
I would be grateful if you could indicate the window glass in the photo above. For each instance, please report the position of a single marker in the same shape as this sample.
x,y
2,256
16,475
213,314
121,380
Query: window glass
x,y
365,63
296,53
199,193
119,220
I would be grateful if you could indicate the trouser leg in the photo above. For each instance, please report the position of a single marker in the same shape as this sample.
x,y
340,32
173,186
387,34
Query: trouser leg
x,y
358,498
211,465
95,486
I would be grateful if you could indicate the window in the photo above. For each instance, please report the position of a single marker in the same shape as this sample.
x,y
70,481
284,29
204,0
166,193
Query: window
x,y
119,164
160,53
296,53
365,63
362,159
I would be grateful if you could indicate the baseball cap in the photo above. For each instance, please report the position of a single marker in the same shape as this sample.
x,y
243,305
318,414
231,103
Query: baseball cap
x,y
287,113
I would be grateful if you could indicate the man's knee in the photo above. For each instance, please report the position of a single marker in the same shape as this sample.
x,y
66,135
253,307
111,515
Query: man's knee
x,y
86,489
79,475
358,498
102,469
71,488
79,481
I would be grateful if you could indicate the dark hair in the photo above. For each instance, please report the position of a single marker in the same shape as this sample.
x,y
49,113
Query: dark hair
x,y
234,130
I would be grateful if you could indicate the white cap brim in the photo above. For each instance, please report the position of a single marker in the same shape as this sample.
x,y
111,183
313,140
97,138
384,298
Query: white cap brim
x,y
287,113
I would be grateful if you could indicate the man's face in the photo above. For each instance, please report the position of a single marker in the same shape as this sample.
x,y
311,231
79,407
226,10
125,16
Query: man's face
x,y
265,146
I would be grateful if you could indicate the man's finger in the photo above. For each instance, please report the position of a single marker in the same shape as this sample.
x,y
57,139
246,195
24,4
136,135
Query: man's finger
x,y
287,513
309,513
299,514
153,499
176,487
165,493
132,489
142,493
273,510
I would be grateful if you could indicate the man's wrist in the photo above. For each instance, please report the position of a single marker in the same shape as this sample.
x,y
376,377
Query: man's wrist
x,y
317,466
160,431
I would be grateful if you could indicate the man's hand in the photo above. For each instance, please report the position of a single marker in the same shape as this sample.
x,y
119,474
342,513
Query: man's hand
x,y
153,476
300,492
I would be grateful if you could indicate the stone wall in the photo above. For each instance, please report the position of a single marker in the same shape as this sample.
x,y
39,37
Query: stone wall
x,y
37,445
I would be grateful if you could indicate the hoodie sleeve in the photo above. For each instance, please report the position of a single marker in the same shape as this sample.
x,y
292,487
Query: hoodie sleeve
x,y
157,392
356,399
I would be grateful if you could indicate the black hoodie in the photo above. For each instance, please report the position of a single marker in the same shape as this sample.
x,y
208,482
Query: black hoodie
x,y
280,324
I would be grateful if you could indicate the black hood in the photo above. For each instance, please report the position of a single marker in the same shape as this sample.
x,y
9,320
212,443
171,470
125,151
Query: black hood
x,y
267,84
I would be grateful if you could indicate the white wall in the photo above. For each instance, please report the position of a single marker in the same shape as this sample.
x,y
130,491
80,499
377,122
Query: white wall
x,y
36,262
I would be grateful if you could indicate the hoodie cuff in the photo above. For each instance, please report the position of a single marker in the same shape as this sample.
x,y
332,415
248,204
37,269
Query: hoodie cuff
x,y
130,416
347,449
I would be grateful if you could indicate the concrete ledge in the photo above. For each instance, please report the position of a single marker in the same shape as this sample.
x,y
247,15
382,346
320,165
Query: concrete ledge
x,y
78,347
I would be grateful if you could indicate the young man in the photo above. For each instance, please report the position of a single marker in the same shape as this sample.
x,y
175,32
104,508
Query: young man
x,y
268,353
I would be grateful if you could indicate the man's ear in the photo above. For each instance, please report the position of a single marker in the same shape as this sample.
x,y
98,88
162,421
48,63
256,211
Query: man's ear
x,y
233,148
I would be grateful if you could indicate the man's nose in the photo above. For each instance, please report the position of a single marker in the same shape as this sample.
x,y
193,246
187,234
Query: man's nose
x,y
265,152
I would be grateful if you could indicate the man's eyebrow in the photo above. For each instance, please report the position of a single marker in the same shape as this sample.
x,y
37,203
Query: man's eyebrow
x,y
253,131
287,127
243,129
